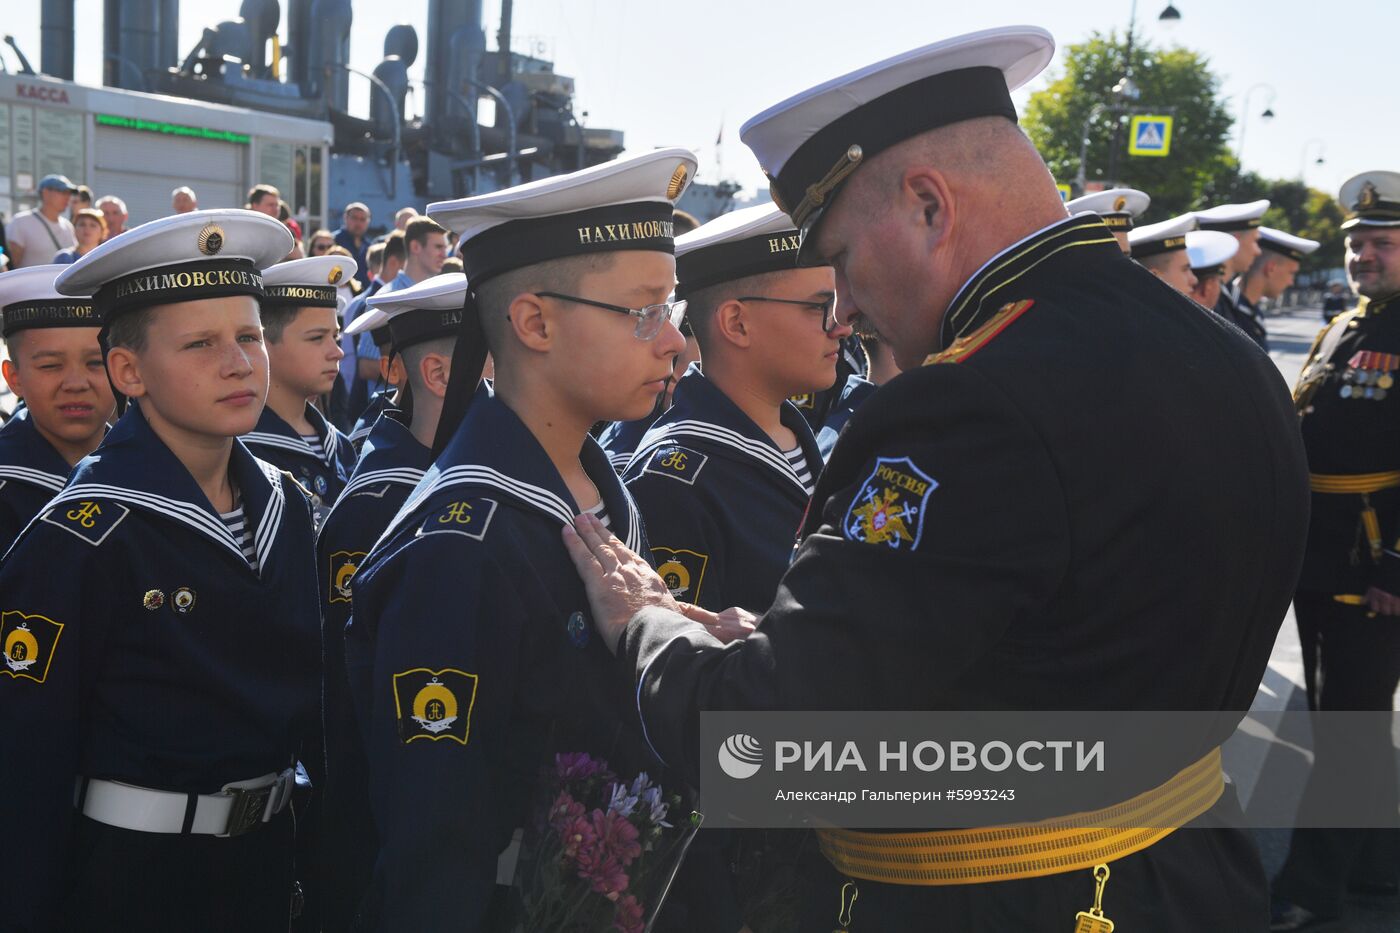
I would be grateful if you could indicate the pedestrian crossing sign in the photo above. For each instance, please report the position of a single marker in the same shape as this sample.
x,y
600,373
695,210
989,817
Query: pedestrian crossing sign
x,y
1064,192
1150,135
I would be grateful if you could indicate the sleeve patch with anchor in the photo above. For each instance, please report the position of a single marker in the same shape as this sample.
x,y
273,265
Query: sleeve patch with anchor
x,y
343,565
682,570
92,520
434,705
27,644
679,463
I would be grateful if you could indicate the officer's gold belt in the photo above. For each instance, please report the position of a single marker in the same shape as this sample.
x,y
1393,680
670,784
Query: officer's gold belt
x,y
1029,850
1354,483
1362,484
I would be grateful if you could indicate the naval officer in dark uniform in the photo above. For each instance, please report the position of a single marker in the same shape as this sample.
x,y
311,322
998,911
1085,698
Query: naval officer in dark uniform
x,y
1031,520
1349,593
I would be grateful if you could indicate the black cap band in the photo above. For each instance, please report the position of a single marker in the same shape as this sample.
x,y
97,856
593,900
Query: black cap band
x,y
49,312
1229,226
643,225
1281,249
299,296
1156,247
190,281
739,259
935,101
422,324
1117,222
1206,272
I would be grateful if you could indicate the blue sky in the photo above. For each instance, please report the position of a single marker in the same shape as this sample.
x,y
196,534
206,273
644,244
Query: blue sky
x,y
671,73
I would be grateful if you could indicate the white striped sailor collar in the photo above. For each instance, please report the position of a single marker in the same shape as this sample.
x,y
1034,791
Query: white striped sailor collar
x,y
620,439
377,406
27,457
134,467
702,416
391,455
272,431
1009,274
493,454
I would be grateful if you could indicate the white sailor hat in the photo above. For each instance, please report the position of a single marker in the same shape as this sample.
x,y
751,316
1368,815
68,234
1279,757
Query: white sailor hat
x,y
624,204
1161,237
810,143
1373,198
202,254
314,282
1209,250
1116,206
29,300
1286,244
745,242
425,311
1229,217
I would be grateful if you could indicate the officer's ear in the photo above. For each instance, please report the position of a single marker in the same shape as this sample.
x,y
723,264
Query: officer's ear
x,y
124,367
434,370
926,200
731,322
530,321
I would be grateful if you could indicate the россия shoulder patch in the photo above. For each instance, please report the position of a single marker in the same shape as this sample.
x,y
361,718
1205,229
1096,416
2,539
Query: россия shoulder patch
x,y
891,505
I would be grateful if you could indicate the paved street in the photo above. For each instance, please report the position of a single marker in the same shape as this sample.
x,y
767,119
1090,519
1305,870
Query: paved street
x,y
1284,760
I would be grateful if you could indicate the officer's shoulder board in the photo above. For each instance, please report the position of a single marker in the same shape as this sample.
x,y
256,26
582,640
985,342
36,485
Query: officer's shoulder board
x,y
677,462
968,344
469,517
90,519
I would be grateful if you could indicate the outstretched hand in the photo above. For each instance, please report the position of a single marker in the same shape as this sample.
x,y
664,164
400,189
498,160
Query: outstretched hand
x,y
619,582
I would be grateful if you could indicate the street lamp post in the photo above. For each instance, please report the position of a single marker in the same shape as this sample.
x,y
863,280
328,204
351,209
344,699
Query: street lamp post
x,y
1125,93
1268,114
1303,162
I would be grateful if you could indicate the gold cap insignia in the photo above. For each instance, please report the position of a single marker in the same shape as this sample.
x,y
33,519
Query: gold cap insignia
x,y
153,599
1119,203
677,183
335,276
1368,197
211,239
183,599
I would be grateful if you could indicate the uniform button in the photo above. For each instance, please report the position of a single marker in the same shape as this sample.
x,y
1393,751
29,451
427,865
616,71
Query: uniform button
x,y
1330,366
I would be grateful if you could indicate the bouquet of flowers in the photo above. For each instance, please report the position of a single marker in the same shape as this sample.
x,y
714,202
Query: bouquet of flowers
x,y
602,853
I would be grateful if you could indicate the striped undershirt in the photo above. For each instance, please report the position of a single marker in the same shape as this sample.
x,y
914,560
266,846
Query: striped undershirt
x,y
238,527
600,512
314,442
798,461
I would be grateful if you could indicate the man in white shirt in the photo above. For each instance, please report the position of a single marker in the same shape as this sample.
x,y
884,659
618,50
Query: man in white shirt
x,y
33,237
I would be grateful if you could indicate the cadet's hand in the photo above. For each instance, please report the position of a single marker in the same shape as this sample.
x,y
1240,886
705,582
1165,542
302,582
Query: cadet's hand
x,y
618,582
1383,603
729,625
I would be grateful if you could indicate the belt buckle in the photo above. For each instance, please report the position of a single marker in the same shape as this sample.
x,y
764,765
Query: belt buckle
x,y
248,808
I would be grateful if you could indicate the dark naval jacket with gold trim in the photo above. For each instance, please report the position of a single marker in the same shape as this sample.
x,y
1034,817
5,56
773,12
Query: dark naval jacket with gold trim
x,y
159,657
472,661
31,473
324,475
392,462
721,503
1349,404
1035,520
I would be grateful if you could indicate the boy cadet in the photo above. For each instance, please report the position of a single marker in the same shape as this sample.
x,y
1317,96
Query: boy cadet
x,y
1161,249
1242,222
722,478
174,661
422,321
971,543
299,321
1280,255
569,284
55,365
1209,251
858,388
1116,207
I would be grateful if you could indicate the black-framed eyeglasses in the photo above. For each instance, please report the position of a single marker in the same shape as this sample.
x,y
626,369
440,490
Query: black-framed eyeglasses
x,y
827,307
649,319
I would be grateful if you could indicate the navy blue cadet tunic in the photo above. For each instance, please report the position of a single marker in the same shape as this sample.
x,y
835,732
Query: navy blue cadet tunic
x,y
620,439
472,661
31,473
381,403
159,658
277,442
853,395
721,503
391,464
